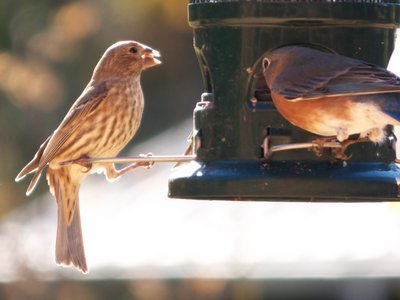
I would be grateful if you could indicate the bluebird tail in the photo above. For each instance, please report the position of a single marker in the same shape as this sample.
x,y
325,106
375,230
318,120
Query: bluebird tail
x,y
389,103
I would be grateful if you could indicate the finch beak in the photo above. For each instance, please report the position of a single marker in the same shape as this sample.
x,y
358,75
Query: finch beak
x,y
149,58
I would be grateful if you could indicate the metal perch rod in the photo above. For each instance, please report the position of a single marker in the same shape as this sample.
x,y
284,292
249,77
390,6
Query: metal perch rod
x,y
302,146
184,158
132,159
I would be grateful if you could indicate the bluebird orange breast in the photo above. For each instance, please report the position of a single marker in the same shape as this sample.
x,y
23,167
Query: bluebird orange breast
x,y
333,116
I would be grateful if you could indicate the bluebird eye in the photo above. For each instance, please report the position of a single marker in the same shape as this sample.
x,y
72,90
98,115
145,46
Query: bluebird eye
x,y
133,50
265,63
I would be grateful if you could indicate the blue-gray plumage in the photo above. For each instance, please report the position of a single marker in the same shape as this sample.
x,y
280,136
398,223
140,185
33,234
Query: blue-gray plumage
x,y
332,95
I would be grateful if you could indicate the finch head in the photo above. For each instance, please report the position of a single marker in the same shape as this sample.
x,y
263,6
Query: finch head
x,y
125,58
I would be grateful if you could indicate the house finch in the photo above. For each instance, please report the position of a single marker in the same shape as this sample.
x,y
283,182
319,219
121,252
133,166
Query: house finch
x,y
99,124
332,95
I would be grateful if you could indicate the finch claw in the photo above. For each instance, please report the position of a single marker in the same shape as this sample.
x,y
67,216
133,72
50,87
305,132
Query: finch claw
x,y
112,173
84,163
146,164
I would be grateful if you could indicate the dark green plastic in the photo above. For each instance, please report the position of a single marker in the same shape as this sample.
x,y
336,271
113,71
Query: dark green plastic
x,y
230,40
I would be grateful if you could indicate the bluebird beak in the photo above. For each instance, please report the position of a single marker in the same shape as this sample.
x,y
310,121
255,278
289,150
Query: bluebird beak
x,y
149,58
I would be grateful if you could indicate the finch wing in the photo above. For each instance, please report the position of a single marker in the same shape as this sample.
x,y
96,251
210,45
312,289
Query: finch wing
x,y
86,104
33,165
336,80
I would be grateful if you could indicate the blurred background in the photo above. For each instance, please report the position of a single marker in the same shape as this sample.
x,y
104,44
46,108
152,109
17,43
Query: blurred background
x,y
139,243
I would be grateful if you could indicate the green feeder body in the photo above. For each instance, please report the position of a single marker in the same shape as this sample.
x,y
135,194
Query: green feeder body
x,y
236,113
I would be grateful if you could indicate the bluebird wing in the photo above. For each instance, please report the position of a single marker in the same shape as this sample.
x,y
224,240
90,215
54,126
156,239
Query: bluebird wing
x,y
314,74
363,79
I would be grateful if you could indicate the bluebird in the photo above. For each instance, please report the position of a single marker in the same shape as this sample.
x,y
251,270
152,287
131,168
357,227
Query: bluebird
x,y
332,95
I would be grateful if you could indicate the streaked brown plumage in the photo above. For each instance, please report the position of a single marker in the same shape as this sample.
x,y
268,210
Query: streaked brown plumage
x,y
99,124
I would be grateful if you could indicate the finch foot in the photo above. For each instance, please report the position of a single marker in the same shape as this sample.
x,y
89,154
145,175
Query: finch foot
x,y
112,173
84,163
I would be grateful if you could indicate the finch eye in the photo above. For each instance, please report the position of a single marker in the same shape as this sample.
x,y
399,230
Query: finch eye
x,y
133,50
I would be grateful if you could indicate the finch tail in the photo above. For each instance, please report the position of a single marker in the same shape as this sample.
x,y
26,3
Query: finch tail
x,y
69,242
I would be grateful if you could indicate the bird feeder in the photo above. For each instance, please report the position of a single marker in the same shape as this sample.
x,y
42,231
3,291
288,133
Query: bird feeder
x,y
244,148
